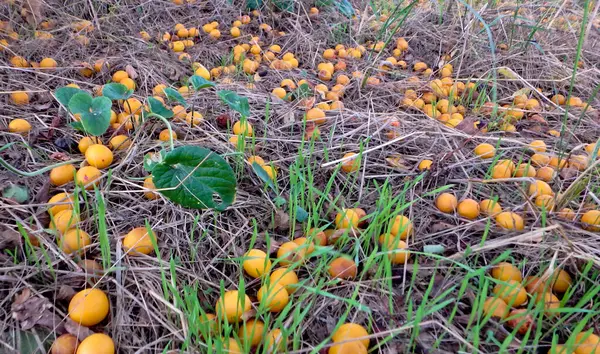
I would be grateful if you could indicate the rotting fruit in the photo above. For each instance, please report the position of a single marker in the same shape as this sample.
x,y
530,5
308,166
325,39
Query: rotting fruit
x,y
64,344
232,305
138,242
89,307
343,268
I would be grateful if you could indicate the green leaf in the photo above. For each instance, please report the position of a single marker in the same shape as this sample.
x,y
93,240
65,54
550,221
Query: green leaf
x,y
157,107
173,95
344,7
198,82
235,102
279,201
260,172
301,214
303,91
18,193
253,4
195,177
64,94
95,112
285,5
116,91
77,126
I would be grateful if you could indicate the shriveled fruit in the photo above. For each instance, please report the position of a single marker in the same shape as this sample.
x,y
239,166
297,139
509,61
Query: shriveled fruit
x,y
512,292
138,242
591,220
520,320
352,164
62,175
97,343
496,307
74,240
285,277
119,142
252,331
505,271
561,281
401,226
349,331
347,218
490,207
256,263
273,297
484,150
19,126
99,156
446,203
343,268
65,344
87,176
468,208
89,307
63,220
510,221
232,305
60,202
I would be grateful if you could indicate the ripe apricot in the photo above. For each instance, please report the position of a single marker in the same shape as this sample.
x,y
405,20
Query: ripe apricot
x,y
64,220
120,75
505,271
350,165
96,343
289,252
484,150
490,207
446,203
545,173
164,135
510,221
319,237
349,331
503,169
545,202
316,115
539,188
138,242
86,142
397,248
285,277
558,161
305,247
62,175
561,281
343,268
19,126
193,118
74,240
401,227
99,156
540,160
587,343
279,92
468,208
551,302
347,218
567,213
149,184
89,307
348,348
60,202
535,285
537,146
275,341
65,344
242,128
425,165
132,106
252,331
512,292
496,307
525,170
87,176
232,305
256,263
273,297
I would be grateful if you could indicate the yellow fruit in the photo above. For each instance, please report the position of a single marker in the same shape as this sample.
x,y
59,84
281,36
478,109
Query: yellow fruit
x,y
558,162
559,99
149,184
468,208
252,331
561,281
235,32
88,307
343,268
349,331
120,75
591,220
65,344
202,72
271,171
587,343
401,227
279,92
74,240
86,142
348,218
351,165
129,83
496,307
177,46
132,106
97,343
273,297
525,170
503,169
512,292
539,188
87,176
19,126
60,202
194,118
285,277
164,135
510,221
348,348
446,203
62,175
505,271
99,156
540,160
19,62
537,146
490,207
275,341
243,128
48,63
232,305
138,242
545,202
256,263
425,165
316,115
19,98
100,64
215,34
545,173
397,249
119,142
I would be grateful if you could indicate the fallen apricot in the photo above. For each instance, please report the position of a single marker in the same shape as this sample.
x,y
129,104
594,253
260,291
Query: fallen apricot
x,y
138,242
60,202
512,292
99,156
468,208
273,297
62,175
232,305
591,220
119,142
65,344
351,165
275,341
484,150
87,176
496,307
95,344
446,203
505,271
252,331
561,281
63,220
89,307
349,331
343,268
348,348
401,227
490,207
256,263
74,240
285,277
347,218
510,221
539,188
19,126
520,320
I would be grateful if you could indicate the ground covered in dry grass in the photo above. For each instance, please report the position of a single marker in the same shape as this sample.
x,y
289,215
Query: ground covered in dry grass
x,y
510,64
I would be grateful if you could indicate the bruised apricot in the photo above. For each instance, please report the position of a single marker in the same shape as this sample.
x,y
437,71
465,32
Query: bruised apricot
x,y
510,221
74,240
89,307
512,292
349,331
505,271
256,263
65,344
273,297
495,307
138,242
343,268
446,203
99,156
87,177
62,175
520,320
232,305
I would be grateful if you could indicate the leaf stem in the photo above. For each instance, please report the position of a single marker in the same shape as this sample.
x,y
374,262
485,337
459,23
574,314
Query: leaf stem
x,y
171,145
34,173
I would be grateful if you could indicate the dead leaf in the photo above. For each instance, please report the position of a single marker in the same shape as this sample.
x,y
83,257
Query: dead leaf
x,y
34,9
35,311
79,331
8,237
537,118
440,226
60,156
467,126
65,292
281,221
289,117
22,296
335,236
131,72
42,107
43,194
257,77
397,161
568,173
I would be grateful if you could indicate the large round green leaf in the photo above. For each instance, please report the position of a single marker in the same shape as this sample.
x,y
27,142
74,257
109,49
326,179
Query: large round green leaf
x,y
94,112
195,177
